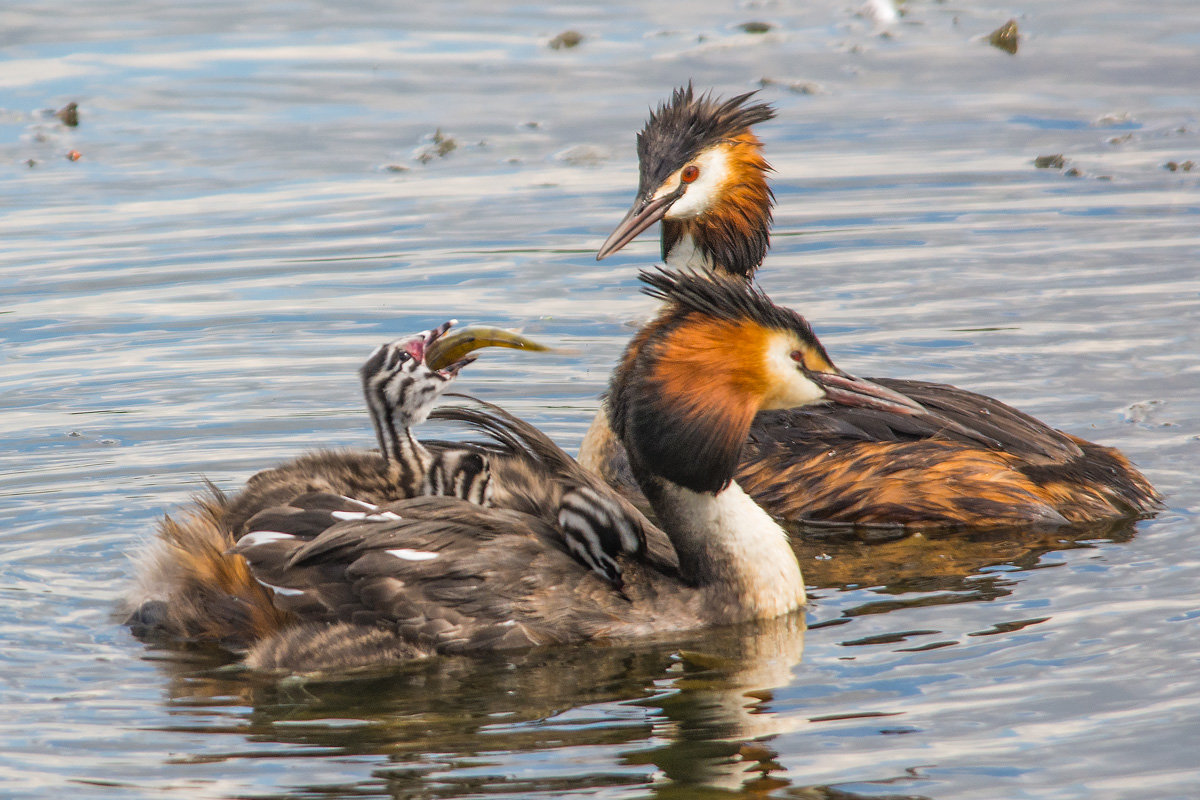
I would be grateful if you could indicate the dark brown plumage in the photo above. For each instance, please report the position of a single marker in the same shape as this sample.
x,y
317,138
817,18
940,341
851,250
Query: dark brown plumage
x,y
971,461
195,586
342,560
1004,467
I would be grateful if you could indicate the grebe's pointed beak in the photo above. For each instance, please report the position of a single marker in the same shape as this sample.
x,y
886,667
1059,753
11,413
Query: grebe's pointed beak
x,y
645,212
847,390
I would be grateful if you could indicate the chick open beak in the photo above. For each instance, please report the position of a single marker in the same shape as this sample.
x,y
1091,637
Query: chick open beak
x,y
450,352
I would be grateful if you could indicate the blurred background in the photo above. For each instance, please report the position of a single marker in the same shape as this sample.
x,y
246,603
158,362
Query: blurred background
x,y
245,198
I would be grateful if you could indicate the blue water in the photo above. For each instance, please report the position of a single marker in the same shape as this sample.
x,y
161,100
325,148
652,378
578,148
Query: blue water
x,y
258,202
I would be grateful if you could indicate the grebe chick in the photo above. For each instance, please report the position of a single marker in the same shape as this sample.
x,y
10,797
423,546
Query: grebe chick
x,y
974,461
190,588
345,583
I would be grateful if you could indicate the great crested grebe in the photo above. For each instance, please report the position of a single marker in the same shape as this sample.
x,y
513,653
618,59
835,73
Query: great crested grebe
x,y
343,559
974,461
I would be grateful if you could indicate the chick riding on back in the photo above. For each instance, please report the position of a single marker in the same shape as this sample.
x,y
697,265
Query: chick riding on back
x,y
341,560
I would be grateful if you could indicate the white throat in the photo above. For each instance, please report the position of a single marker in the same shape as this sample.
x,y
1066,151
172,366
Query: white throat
x,y
686,255
728,542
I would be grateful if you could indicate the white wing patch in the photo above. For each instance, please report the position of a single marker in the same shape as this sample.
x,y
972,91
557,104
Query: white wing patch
x,y
365,506
281,590
412,555
255,538
382,516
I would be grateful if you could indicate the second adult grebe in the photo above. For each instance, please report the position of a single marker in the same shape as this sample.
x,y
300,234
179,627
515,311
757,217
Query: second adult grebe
x,y
972,461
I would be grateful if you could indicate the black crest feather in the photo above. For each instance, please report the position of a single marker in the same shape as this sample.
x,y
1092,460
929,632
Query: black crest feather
x,y
686,124
693,444
725,297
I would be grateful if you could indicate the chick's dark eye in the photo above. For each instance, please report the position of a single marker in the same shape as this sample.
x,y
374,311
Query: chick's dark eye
x,y
391,358
797,356
690,173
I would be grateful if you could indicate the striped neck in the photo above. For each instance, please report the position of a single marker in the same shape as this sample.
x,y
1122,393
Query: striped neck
x,y
448,472
404,454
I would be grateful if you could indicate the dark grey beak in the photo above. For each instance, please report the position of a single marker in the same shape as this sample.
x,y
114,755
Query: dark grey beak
x,y
848,390
645,212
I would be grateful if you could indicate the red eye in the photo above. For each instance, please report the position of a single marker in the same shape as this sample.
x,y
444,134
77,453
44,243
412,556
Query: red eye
x,y
797,356
690,173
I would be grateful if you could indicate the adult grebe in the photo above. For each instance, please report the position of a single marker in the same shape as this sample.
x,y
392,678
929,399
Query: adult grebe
x,y
328,576
974,461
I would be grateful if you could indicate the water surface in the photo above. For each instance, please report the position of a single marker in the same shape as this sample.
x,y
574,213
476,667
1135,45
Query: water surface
x,y
259,200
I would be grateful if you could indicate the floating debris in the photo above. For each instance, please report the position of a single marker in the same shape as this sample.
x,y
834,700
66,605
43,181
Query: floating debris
x,y
74,155
1005,37
798,87
439,146
445,144
1113,119
566,40
69,114
1180,166
395,168
29,162
1073,173
756,27
1149,412
583,155
1055,161
882,12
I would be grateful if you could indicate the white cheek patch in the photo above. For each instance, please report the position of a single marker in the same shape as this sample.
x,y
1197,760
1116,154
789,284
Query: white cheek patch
x,y
790,387
412,555
705,190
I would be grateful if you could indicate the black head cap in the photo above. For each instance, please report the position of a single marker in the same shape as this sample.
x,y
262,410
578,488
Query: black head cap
x,y
686,124
688,424
724,297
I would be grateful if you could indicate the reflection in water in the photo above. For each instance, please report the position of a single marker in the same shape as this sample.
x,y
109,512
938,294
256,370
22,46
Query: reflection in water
x,y
718,716
685,718
937,561
188,298
450,726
